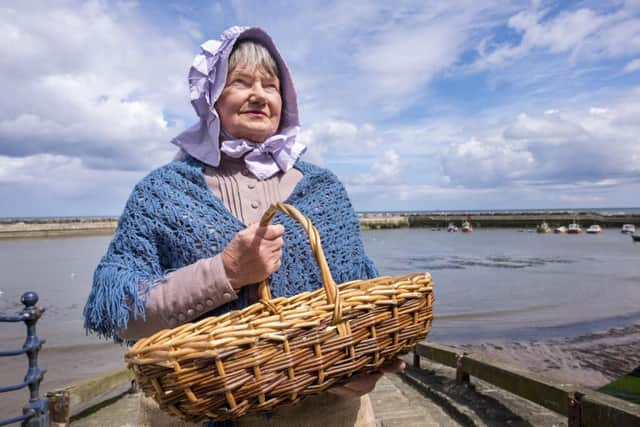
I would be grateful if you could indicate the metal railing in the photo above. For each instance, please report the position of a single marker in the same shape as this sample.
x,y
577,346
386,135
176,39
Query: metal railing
x,y
581,406
35,412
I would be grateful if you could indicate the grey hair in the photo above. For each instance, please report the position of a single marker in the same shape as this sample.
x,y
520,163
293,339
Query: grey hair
x,y
253,55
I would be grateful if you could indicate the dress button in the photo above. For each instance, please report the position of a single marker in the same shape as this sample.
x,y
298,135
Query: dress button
x,y
190,312
226,295
199,307
255,205
181,317
173,321
209,303
251,185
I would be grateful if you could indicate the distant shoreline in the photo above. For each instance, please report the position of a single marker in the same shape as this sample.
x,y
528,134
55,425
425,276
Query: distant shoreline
x,y
66,227
527,220
38,228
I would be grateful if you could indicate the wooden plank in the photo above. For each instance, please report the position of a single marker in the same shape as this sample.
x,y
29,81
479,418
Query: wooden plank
x,y
590,408
442,354
599,409
519,382
68,401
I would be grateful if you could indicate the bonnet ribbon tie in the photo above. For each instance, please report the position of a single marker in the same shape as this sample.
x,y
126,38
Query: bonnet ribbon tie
x,y
277,153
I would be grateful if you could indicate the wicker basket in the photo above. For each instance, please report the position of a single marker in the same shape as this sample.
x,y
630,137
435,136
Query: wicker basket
x,y
280,350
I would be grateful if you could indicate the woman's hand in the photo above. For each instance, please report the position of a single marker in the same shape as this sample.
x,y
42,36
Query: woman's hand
x,y
363,385
253,254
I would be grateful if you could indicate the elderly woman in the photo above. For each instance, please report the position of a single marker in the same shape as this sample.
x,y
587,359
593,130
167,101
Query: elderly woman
x,y
188,244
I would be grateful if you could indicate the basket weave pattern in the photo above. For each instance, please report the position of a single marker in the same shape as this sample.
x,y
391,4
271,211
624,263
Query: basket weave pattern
x,y
280,350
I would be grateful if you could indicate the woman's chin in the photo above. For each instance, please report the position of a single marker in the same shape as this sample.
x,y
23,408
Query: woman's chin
x,y
256,136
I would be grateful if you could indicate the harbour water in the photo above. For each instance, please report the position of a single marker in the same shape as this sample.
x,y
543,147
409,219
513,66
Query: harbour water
x,y
496,283
501,284
490,285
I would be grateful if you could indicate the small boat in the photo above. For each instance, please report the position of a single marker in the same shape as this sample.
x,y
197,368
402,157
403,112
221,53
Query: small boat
x,y
635,237
466,227
594,229
543,228
628,229
574,228
560,230
452,228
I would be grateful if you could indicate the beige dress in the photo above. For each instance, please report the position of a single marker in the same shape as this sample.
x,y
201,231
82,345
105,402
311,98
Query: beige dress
x,y
247,198
323,410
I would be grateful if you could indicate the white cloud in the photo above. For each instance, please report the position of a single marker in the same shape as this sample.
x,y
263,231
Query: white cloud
x,y
399,61
476,163
581,33
379,57
217,8
333,139
46,184
87,81
564,149
573,147
552,129
93,91
632,66
190,27
596,111
384,171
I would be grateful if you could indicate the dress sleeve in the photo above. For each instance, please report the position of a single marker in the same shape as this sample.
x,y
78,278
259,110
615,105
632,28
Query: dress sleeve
x,y
133,295
186,294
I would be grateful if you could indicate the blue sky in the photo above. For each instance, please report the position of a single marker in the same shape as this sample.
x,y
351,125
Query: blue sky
x,y
414,105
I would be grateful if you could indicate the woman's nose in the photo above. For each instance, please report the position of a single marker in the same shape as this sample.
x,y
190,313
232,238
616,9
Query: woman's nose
x,y
257,93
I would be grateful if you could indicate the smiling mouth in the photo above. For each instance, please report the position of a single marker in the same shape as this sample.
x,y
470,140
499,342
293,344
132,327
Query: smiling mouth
x,y
258,113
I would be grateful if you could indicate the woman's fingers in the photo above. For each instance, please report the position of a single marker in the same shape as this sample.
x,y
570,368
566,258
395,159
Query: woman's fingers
x,y
274,265
253,254
270,232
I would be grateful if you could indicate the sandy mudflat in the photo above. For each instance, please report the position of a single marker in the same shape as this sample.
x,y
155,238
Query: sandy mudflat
x,y
590,360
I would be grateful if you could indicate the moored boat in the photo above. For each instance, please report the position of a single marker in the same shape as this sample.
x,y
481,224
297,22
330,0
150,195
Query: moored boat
x,y
560,230
574,228
628,229
543,228
466,227
452,228
594,229
635,237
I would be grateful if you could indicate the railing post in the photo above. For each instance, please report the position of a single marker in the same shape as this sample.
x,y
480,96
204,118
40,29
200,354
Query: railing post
x,y
35,412
34,376
462,377
574,416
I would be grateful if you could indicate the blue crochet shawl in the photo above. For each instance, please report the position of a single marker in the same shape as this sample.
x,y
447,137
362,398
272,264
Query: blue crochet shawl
x,y
172,219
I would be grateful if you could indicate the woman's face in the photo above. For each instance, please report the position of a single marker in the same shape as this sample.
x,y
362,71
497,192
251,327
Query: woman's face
x,y
250,104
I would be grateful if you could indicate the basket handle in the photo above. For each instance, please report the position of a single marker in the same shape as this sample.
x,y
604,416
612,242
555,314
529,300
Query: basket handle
x,y
329,284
